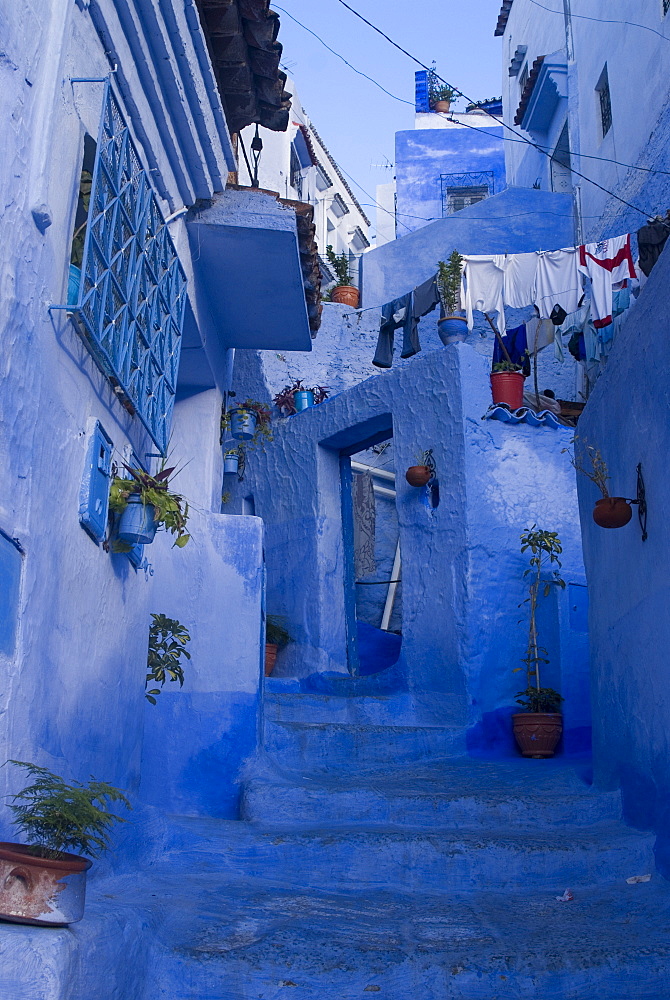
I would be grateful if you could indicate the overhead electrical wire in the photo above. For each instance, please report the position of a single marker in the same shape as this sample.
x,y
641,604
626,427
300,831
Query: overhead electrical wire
x,y
604,20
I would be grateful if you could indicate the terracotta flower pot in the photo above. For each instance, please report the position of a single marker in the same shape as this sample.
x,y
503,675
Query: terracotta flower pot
x,y
507,387
537,733
442,107
41,891
418,475
346,295
612,512
270,657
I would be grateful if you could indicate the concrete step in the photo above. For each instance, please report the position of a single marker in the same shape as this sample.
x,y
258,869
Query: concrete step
x,y
418,861
322,747
375,710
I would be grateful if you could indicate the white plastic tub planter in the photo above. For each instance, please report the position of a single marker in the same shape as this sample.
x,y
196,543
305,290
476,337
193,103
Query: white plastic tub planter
x,y
137,524
243,424
303,399
231,463
34,890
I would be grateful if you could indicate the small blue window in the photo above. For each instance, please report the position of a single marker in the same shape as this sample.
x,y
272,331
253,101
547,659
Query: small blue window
x,y
94,492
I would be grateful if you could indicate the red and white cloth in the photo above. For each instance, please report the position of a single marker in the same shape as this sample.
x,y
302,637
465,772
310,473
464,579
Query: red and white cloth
x,y
605,263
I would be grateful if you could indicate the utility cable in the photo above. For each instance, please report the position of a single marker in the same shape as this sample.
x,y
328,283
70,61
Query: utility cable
x,y
487,112
604,20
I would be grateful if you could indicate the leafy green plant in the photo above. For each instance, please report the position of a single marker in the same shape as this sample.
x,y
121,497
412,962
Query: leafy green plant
x,y
58,818
438,90
545,549
167,641
263,413
276,631
449,282
590,463
170,509
285,400
341,265
506,366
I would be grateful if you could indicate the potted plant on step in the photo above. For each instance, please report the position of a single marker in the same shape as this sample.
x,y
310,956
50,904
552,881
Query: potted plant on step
x,y
507,382
344,292
538,728
167,641
42,882
249,422
144,504
452,327
276,635
609,512
295,397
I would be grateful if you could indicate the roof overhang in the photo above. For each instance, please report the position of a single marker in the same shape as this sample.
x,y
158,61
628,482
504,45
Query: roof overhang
x,y
551,86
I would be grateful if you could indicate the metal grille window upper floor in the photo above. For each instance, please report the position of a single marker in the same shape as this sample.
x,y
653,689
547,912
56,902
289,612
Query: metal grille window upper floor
x,y
605,102
462,190
132,293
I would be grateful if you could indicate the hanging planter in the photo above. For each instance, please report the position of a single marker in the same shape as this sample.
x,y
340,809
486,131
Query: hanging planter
x,y
248,422
612,512
243,424
137,524
507,387
295,398
231,463
418,475
143,504
452,329
609,512
304,399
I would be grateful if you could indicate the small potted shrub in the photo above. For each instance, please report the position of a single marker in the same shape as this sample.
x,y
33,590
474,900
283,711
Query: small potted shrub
x,y
609,512
538,728
167,641
144,504
343,292
421,473
276,635
452,327
507,381
42,882
231,462
440,96
250,421
295,397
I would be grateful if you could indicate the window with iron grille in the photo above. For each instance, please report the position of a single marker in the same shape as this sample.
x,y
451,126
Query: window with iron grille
x,y
666,7
462,190
605,102
132,293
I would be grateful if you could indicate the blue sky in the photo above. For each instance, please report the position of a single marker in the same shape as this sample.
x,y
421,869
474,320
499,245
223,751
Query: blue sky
x,y
354,118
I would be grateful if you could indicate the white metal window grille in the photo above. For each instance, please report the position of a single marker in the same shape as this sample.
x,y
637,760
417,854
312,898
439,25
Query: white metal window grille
x,y
459,191
132,294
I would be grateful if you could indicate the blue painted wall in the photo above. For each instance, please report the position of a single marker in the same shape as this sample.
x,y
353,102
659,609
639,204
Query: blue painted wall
x,y
421,155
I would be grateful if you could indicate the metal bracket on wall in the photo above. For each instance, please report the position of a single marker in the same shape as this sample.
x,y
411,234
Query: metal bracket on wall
x,y
641,501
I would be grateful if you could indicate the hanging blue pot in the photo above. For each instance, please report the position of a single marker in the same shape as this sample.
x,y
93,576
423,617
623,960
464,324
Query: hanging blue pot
x,y
231,464
243,424
73,283
303,399
137,524
452,329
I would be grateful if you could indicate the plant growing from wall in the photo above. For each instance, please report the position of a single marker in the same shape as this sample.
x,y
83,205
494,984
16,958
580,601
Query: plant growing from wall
x,y
167,642
545,548
285,400
449,282
341,265
170,509
57,817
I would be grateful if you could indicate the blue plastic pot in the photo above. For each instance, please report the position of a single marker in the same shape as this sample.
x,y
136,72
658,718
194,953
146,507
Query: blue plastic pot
x,y
303,399
452,329
231,464
73,283
137,524
243,424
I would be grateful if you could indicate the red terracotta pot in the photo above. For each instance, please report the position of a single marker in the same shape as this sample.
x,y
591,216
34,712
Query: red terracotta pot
x,y
443,107
612,512
42,891
346,295
507,387
537,733
270,657
418,475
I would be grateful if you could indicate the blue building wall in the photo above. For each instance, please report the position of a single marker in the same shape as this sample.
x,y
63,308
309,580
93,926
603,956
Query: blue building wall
x,y
628,580
422,155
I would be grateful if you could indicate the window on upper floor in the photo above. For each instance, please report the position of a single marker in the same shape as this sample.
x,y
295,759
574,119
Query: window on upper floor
x,y
666,6
462,190
131,296
296,172
604,102
523,78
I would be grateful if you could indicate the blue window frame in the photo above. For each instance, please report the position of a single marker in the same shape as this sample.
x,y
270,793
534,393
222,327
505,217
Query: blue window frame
x,y
132,294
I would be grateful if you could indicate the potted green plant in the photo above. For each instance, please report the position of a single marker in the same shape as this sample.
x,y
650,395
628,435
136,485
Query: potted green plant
x,y
440,94
609,512
538,728
276,635
507,382
452,326
144,504
343,292
167,641
295,397
250,422
421,473
231,461
41,882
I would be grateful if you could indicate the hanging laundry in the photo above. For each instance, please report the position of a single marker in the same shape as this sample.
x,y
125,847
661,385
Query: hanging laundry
x,y
540,333
396,313
424,299
363,497
482,287
557,281
519,279
650,241
605,263
516,344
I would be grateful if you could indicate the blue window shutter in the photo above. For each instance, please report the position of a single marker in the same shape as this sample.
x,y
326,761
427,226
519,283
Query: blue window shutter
x,y
94,493
421,91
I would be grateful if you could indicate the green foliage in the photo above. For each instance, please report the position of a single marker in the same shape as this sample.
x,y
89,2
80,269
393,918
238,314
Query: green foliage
x,y
539,700
57,817
505,366
263,413
545,548
439,91
276,631
341,266
170,509
449,282
167,639
589,462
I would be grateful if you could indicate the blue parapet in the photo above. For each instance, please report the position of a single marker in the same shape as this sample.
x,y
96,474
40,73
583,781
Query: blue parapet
x,y
421,97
